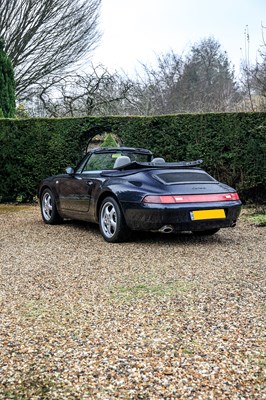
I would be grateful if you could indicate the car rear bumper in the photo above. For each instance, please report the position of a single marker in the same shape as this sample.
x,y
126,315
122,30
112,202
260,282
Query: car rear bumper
x,y
153,217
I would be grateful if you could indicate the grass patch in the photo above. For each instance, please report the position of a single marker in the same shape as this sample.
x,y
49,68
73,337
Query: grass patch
x,y
256,216
36,309
10,208
141,291
37,388
258,219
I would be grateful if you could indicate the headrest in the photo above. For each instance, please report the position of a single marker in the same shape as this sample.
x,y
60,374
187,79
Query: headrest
x,y
158,160
122,160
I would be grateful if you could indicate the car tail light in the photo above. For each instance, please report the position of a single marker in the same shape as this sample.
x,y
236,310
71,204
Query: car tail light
x,y
190,198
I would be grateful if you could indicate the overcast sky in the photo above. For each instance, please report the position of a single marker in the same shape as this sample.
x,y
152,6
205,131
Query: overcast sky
x,y
137,30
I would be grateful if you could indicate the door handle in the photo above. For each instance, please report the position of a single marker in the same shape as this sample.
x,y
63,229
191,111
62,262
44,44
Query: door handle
x,y
89,183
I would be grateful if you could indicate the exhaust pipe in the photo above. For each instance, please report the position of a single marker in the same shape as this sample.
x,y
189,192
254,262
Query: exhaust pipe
x,y
166,229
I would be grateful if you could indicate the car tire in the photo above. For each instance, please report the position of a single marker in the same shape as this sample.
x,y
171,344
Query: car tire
x,y
207,232
112,223
49,211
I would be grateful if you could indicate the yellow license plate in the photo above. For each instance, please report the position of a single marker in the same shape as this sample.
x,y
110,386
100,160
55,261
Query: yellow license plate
x,y
207,214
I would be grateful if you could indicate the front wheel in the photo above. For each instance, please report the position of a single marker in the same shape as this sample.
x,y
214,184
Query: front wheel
x,y
111,221
49,211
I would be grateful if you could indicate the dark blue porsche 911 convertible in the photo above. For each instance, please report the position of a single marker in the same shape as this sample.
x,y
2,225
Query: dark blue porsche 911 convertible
x,y
126,189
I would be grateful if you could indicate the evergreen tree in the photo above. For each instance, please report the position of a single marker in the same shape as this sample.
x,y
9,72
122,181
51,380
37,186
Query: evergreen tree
x,y
109,141
7,84
207,83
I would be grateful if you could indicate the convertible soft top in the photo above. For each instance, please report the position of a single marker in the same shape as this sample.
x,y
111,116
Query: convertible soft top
x,y
134,167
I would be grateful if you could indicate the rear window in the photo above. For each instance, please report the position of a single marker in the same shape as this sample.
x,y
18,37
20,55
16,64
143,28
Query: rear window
x,y
183,176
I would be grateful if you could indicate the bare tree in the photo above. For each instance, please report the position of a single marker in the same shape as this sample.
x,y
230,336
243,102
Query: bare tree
x,y
258,73
154,90
47,37
161,83
247,103
202,81
96,92
254,77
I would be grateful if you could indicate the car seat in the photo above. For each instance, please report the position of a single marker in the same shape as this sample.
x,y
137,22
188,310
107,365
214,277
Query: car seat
x,y
158,160
122,160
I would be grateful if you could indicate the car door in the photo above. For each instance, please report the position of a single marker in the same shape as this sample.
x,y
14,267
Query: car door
x,y
74,194
77,190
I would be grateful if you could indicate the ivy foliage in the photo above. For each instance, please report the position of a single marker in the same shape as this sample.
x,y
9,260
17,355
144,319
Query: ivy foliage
x,y
232,145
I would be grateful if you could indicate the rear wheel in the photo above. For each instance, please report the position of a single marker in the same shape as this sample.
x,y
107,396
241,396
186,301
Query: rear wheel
x,y
111,221
49,211
207,232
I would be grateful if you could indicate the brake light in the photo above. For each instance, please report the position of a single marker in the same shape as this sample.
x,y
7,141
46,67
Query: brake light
x,y
191,198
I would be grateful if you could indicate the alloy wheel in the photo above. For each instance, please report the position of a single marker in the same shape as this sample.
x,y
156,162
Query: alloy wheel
x,y
108,220
47,207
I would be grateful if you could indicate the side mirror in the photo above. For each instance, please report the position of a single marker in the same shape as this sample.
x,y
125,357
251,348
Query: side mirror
x,y
70,170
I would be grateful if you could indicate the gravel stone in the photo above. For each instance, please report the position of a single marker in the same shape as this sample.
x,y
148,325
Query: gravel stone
x,y
160,317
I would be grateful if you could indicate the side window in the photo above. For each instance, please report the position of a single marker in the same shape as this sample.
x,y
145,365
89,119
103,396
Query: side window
x,y
99,162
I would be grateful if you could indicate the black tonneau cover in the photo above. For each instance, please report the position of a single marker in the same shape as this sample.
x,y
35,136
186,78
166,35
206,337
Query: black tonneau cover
x,y
135,166
163,165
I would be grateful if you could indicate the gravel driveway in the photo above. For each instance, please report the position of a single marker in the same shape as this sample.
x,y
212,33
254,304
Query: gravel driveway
x,y
161,317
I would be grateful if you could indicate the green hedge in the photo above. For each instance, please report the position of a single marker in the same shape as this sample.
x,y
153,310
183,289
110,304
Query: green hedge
x,y
233,147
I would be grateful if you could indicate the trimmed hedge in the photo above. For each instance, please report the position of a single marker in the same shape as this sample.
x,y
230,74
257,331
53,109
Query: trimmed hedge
x,y
232,145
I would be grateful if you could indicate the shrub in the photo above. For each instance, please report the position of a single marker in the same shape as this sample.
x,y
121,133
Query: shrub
x,y
233,147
